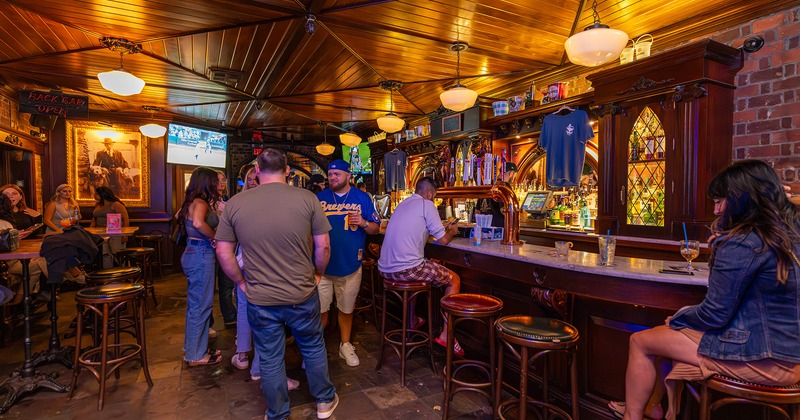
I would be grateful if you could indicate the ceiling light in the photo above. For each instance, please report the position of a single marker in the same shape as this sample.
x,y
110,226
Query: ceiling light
x,y
390,122
120,81
311,24
597,44
350,138
458,98
325,148
152,129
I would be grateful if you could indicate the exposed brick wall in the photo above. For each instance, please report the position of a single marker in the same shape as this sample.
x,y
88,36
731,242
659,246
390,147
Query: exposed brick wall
x,y
767,110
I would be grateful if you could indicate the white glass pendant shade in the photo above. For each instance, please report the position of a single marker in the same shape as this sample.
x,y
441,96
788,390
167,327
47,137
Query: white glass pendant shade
x,y
325,149
121,82
458,98
350,138
595,46
391,123
153,130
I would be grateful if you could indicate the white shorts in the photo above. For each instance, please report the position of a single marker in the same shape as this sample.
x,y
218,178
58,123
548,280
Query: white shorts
x,y
346,289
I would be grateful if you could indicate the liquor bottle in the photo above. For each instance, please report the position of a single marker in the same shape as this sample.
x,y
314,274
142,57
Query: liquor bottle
x,y
452,179
649,147
635,150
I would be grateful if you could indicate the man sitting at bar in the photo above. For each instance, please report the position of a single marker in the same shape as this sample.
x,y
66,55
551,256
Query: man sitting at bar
x,y
402,254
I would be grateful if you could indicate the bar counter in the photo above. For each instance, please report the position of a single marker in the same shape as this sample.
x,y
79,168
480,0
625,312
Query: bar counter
x,y
606,305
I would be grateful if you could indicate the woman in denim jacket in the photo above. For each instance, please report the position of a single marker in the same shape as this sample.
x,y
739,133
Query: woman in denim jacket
x,y
747,326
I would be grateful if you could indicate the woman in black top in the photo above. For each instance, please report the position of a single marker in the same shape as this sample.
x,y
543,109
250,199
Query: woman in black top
x,y
24,217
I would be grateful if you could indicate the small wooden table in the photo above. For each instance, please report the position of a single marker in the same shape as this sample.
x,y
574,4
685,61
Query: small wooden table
x,y
101,231
26,379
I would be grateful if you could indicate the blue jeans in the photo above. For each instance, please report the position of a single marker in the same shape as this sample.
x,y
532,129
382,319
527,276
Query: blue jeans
x,y
226,305
199,265
303,319
244,339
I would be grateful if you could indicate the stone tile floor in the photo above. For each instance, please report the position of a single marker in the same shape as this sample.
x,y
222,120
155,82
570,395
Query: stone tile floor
x,y
222,391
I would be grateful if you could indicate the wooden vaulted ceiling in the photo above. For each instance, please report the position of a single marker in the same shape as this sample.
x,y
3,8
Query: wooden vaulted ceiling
x,y
292,79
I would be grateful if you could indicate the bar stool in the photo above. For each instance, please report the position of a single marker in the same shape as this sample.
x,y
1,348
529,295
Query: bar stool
x,y
106,302
367,303
543,335
140,256
404,340
153,240
749,393
112,275
462,307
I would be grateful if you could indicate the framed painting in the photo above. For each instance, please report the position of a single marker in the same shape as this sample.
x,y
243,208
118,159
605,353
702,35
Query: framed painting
x,y
99,156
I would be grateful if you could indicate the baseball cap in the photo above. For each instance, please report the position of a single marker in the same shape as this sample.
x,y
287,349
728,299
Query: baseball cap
x,y
340,165
316,179
511,166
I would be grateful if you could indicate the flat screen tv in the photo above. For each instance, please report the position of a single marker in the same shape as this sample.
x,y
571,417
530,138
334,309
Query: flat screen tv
x,y
358,158
196,146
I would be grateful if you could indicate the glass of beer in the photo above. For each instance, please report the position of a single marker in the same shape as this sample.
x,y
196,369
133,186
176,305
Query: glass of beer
x,y
690,250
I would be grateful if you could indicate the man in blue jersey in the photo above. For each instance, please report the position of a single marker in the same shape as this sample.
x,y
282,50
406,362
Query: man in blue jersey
x,y
352,216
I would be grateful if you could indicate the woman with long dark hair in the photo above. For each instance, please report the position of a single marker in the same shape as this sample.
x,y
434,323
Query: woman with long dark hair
x,y
107,203
747,326
24,216
197,216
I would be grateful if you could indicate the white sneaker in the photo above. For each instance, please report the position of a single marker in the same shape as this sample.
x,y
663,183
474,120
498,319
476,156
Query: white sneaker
x,y
325,410
240,361
348,353
255,377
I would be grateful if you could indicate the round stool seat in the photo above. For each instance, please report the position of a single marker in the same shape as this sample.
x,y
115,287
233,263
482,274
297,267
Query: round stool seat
x,y
471,303
744,389
411,286
113,274
148,237
111,290
537,328
135,251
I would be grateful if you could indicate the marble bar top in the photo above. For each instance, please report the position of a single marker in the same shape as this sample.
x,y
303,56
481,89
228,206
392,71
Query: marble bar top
x,y
587,262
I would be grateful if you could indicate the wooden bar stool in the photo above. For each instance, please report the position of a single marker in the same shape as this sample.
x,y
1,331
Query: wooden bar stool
x,y
741,392
153,240
463,307
106,302
367,303
544,336
140,257
404,340
113,275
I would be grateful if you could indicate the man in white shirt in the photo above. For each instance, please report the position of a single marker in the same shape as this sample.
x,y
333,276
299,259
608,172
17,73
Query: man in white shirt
x,y
402,254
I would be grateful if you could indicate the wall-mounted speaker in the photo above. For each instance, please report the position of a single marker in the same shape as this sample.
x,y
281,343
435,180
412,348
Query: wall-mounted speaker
x,y
43,121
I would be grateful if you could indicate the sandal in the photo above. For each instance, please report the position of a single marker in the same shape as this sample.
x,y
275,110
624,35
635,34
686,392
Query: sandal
x,y
618,409
210,359
457,350
418,322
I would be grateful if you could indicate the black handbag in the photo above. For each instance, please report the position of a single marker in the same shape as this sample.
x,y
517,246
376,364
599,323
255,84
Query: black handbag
x,y
9,240
179,235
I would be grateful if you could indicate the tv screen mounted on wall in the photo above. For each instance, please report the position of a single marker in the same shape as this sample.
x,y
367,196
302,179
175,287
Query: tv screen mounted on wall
x,y
196,146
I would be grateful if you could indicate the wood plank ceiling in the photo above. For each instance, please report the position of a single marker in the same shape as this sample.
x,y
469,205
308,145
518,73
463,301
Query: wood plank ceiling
x,y
291,80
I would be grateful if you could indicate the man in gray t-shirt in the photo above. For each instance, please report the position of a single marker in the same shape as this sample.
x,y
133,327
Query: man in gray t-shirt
x,y
276,224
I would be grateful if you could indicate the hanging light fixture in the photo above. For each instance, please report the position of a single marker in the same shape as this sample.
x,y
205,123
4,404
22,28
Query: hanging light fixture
x,y
597,44
325,148
120,81
152,129
350,138
458,98
390,122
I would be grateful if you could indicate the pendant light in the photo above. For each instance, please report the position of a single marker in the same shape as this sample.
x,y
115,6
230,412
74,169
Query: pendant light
x,y
152,129
458,98
350,138
597,44
120,81
325,148
390,122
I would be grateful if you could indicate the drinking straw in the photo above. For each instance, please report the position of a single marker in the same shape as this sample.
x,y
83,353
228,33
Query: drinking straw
x,y
685,236
608,239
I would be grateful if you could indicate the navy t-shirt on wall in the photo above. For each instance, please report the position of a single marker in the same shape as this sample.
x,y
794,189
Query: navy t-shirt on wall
x,y
564,138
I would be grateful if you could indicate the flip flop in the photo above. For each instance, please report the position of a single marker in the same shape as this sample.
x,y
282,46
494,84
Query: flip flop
x,y
457,350
213,359
618,409
420,321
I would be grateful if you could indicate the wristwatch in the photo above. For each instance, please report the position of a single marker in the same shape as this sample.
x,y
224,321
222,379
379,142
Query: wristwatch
x,y
366,224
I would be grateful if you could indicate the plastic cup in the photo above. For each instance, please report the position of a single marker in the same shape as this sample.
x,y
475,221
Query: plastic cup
x,y
477,233
65,223
608,246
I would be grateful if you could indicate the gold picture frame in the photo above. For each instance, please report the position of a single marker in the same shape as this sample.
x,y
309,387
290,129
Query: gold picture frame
x,y
117,157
